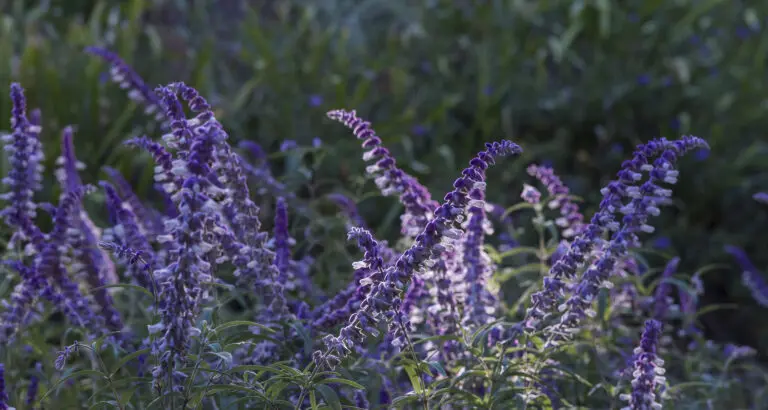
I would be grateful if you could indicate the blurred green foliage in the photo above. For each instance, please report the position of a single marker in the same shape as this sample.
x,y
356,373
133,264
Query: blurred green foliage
x,y
576,83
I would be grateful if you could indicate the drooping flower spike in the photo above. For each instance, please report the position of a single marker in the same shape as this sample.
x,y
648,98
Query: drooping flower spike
x,y
384,300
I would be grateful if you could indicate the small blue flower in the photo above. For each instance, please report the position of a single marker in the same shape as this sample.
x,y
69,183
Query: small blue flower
x,y
315,100
288,145
643,79
662,242
419,130
317,142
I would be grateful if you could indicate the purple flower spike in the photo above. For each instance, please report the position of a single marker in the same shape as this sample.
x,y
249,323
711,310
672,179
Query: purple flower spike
x,y
282,240
636,212
643,202
571,220
647,371
23,178
390,179
34,384
123,75
384,300
751,276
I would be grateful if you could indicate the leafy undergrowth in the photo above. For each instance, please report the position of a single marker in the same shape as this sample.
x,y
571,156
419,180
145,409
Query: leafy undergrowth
x,y
478,305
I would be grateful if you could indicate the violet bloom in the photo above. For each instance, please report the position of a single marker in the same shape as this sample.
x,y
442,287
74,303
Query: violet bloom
x,y
164,168
661,298
531,195
132,237
384,300
761,197
34,384
545,301
344,304
123,75
3,395
751,276
150,222
282,241
361,401
22,179
22,301
288,145
390,179
570,220
647,371
476,267
636,215
93,264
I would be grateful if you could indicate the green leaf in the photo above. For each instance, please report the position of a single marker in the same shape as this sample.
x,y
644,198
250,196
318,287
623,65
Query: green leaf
x,y
73,375
349,383
128,358
241,323
414,377
330,396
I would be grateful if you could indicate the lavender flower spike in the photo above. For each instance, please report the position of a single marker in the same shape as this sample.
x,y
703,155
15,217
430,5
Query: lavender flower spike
x,y
128,79
644,204
22,178
648,373
390,179
571,220
384,300
624,187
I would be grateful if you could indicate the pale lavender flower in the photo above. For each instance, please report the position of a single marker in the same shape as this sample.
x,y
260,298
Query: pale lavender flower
x,y
288,145
647,371
64,355
339,308
22,179
636,213
123,75
150,222
132,238
390,179
571,220
530,194
476,267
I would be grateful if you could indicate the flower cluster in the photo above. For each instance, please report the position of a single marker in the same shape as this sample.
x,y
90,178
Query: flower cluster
x,y
384,299
648,371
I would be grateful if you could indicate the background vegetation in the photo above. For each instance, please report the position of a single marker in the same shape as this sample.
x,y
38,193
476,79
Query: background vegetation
x,y
576,83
